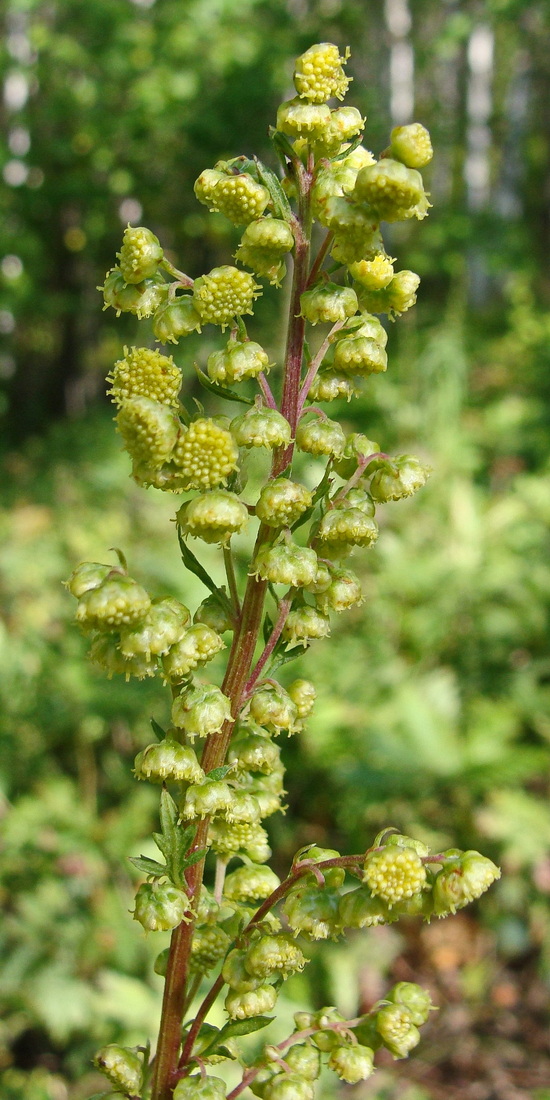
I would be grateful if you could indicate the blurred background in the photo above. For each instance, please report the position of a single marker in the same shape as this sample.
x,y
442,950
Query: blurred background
x,y
434,708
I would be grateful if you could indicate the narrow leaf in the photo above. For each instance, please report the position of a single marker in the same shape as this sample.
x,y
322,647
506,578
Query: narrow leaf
x,y
158,730
283,657
148,866
221,391
269,179
244,1027
162,844
194,857
194,566
220,773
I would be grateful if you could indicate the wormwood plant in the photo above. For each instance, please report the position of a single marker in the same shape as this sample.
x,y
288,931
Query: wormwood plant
x,y
219,762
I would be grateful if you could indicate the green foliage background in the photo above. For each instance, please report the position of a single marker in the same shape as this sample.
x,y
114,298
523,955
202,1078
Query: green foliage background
x,y
434,708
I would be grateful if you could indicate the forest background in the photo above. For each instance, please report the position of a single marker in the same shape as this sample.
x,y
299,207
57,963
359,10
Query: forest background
x,y
434,708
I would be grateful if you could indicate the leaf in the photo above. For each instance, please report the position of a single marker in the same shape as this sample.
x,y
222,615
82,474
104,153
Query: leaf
x,y
244,1027
158,730
284,656
221,391
148,866
194,566
269,179
162,844
321,490
194,857
220,773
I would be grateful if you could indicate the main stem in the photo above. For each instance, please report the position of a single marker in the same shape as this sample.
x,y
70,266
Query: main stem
x,y
238,670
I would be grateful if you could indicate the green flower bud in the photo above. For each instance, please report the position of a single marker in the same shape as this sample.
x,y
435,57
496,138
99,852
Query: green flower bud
x,y
87,576
105,652
401,840
149,430
396,1029
411,145
305,624
254,752
286,563
153,293
177,317
197,1087
394,191
298,119
122,1066
282,502
321,437
288,1086
223,294
117,293
374,274
240,198
305,1060
261,427
358,446
228,839
162,626
140,254
160,906
327,1040
394,873
328,303
303,695
197,646
360,356
322,580
346,123
263,262
206,186
270,234
273,708
313,912
253,882
209,945
236,362
354,224
319,73
343,592
333,876
214,516
206,799
359,909
416,1000
240,1006
205,454
364,324
399,478
352,1063
160,965
213,614
348,526
271,954
462,881
244,808
117,601
331,386
236,975
168,761
201,710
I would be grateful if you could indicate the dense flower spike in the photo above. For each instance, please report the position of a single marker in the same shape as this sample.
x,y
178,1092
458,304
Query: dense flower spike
x,y
310,501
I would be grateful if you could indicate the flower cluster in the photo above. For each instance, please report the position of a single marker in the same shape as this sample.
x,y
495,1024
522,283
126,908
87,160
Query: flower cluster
x,y
219,762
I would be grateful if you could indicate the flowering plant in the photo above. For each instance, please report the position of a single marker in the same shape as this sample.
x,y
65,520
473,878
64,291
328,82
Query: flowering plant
x,y
219,761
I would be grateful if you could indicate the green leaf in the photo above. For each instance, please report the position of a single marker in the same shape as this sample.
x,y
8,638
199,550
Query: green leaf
x,y
221,391
321,491
280,202
162,844
158,730
244,1027
194,566
220,773
148,866
283,656
194,857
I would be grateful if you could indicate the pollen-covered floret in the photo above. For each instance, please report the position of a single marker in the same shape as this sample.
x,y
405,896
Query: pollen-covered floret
x,y
412,145
360,356
240,198
261,427
198,645
140,254
228,838
213,516
237,361
117,601
145,373
328,303
395,191
209,945
394,874
305,624
319,73
282,502
223,294
205,454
